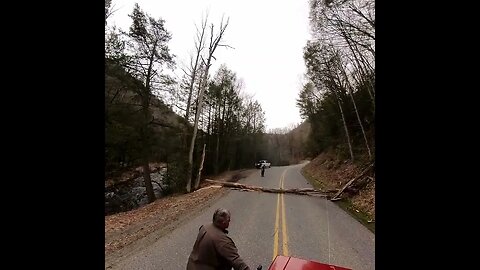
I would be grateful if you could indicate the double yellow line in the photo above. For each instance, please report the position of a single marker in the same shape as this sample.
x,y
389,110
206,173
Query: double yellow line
x,y
280,204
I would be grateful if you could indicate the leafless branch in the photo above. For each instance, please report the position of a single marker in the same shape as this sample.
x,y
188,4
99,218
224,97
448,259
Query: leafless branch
x,y
225,45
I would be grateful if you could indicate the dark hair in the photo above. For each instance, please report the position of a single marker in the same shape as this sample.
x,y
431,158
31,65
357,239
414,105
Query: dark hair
x,y
220,215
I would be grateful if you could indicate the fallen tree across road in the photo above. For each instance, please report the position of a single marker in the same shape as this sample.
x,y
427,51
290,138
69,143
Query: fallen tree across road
x,y
300,191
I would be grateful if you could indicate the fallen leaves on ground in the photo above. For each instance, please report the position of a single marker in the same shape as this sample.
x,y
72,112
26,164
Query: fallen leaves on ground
x,y
122,229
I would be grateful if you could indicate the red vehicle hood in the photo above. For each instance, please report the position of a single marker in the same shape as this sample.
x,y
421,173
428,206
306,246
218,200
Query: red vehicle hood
x,y
292,263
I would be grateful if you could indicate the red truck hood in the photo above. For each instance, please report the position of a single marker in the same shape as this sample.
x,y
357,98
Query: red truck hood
x,y
292,263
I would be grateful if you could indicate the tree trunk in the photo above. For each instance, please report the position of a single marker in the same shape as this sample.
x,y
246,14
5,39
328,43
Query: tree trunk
x,y
344,123
299,191
335,88
145,165
349,88
217,144
195,127
199,48
148,182
197,182
146,152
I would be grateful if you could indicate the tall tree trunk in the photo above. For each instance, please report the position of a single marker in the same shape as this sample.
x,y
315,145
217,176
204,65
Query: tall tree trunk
x,y
213,45
195,129
217,144
197,182
361,125
148,182
336,88
349,88
221,135
199,48
344,123
146,152
217,153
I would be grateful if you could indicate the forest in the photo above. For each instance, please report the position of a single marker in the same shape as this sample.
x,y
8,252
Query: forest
x,y
204,123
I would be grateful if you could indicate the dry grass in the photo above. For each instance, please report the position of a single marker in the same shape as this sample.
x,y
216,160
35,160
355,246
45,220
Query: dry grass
x,y
327,171
125,228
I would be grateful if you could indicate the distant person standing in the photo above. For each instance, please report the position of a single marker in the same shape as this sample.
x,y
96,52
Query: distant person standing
x,y
263,170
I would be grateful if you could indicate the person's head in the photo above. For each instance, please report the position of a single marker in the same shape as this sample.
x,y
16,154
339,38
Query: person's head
x,y
221,218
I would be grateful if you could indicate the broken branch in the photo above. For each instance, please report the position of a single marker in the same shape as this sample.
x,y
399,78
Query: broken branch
x,y
353,180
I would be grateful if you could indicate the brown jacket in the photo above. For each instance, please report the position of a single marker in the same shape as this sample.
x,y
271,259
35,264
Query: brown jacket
x,y
214,250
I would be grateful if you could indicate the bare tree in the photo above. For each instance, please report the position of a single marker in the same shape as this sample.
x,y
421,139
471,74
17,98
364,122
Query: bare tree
x,y
356,34
339,102
350,91
322,71
345,32
194,65
214,43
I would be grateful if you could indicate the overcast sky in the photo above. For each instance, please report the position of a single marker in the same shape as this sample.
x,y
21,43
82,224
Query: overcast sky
x,y
268,37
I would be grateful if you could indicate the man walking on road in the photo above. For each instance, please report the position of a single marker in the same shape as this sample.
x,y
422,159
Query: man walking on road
x,y
214,249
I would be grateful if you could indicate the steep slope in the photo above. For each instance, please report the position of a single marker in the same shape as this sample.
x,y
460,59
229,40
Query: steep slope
x,y
330,172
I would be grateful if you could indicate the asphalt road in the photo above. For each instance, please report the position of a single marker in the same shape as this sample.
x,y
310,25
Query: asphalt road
x,y
264,225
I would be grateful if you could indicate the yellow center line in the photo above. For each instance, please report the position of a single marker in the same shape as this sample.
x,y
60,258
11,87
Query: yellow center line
x,y
280,203
284,224
275,238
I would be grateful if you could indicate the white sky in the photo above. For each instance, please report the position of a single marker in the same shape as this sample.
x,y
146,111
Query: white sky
x,y
268,37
